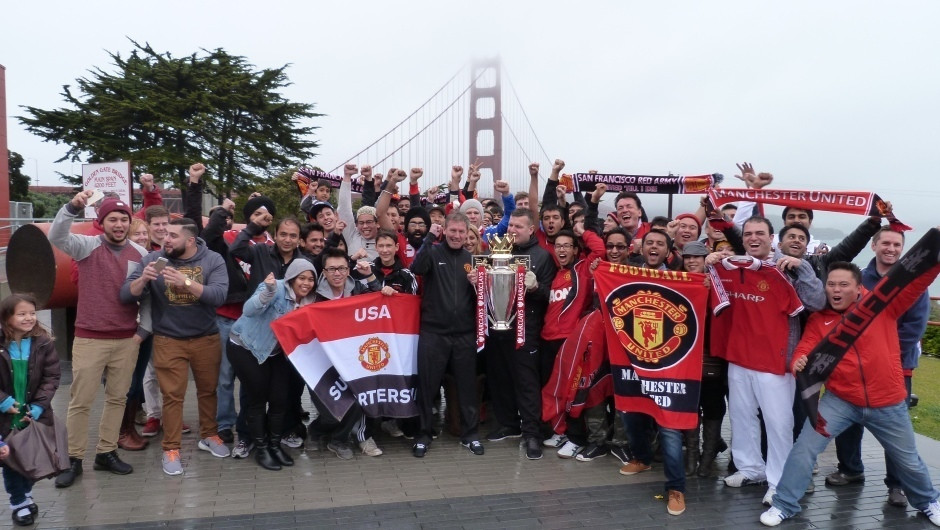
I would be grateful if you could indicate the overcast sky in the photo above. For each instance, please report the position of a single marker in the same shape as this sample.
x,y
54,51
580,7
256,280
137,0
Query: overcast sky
x,y
826,95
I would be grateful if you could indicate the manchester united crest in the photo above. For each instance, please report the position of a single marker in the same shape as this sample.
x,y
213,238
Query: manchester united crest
x,y
373,354
656,325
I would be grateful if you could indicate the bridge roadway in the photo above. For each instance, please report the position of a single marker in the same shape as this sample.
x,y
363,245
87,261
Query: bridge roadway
x,y
450,488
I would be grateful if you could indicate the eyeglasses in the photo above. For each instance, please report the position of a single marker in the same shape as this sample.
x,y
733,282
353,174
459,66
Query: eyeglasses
x,y
618,247
416,223
563,246
336,270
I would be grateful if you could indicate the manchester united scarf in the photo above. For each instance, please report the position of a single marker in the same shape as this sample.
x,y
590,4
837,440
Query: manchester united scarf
x,y
655,327
854,202
361,349
922,258
645,183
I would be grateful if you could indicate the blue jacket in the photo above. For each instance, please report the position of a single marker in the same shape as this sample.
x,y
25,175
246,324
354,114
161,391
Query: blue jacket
x,y
911,325
253,328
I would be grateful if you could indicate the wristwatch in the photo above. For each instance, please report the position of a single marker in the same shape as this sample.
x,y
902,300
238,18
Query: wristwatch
x,y
187,282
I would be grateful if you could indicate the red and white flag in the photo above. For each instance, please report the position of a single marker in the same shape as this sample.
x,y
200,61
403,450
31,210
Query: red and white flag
x,y
361,350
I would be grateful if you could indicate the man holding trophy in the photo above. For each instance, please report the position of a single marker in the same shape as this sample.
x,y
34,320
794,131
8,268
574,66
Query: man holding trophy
x,y
512,361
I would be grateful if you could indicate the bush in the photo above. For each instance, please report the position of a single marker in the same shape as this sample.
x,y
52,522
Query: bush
x,y
931,341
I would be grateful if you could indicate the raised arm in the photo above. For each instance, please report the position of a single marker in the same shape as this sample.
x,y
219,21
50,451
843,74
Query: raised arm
x,y
533,184
192,209
509,205
75,245
385,199
344,209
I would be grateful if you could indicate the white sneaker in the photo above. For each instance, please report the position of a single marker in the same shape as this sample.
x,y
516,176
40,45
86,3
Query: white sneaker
x,y
391,427
772,517
932,511
369,448
293,441
557,440
769,496
739,479
569,450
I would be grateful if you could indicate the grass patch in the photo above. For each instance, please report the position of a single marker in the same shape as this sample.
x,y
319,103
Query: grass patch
x,y
926,415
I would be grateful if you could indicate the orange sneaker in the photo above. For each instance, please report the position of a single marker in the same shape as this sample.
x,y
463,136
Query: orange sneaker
x,y
634,467
676,503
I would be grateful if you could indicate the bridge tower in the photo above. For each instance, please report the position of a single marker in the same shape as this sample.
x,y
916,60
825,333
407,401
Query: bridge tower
x,y
486,130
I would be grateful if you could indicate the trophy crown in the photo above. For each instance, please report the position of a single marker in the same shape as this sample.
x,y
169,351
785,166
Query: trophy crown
x,y
501,245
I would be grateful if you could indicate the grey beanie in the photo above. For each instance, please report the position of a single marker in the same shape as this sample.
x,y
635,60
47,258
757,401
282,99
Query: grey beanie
x,y
470,204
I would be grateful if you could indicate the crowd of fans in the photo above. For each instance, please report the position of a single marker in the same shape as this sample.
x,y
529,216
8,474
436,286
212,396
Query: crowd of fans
x,y
160,297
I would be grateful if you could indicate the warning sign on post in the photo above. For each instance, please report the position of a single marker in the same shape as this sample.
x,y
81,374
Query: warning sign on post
x,y
108,177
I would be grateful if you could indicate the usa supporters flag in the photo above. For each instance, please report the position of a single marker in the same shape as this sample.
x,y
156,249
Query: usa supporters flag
x,y
655,326
361,349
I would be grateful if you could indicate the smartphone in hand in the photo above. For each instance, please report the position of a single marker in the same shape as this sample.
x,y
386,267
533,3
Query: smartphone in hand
x,y
159,264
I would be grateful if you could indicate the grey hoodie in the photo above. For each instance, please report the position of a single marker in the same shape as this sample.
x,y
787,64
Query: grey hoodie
x,y
177,313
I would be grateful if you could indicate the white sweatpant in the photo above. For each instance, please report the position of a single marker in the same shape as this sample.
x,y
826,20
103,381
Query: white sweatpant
x,y
749,390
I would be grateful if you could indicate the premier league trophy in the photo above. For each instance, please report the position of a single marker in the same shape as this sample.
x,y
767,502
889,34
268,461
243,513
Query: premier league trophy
x,y
500,286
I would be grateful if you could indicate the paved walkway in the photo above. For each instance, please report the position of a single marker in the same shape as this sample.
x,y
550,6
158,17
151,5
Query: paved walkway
x,y
449,488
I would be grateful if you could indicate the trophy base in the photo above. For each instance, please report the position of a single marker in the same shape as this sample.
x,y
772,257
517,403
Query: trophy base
x,y
501,326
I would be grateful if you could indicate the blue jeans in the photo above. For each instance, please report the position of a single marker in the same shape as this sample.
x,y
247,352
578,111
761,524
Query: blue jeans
x,y
225,407
849,450
17,486
890,425
639,427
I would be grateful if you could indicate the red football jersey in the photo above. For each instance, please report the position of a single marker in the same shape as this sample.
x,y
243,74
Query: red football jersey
x,y
754,330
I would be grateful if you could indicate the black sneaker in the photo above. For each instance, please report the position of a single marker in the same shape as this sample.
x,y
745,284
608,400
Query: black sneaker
x,y
67,477
622,454
419,450
111,462
591,452
475,447
504,432
533,449
227,436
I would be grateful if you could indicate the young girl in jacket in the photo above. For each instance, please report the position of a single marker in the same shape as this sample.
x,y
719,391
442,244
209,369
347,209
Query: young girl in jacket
x,y
29,377
260,363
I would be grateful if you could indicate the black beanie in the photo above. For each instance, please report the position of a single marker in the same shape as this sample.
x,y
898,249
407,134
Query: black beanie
x,y
258,202
418,211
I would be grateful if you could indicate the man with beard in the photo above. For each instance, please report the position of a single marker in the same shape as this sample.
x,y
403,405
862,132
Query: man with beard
x,y
888,246
655,249
447,331
185,293
107,335
513,369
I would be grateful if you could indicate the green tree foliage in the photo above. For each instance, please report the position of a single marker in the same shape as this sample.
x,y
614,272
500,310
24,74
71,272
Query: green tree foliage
x,y
164,113
19,183
45,205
